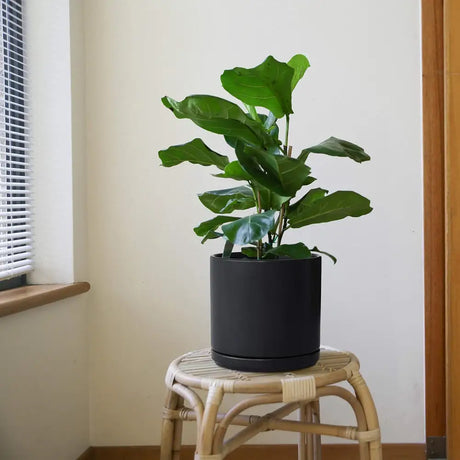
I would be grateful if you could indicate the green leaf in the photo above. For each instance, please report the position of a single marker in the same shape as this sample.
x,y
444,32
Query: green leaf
x,y
212,224
234,170
250,252
220,116
269,126
267,85
248,229
196,152
300,64
279,173
334,259
227,200
270,121
211,235
310,197
337,148
336,206
271,200
294,251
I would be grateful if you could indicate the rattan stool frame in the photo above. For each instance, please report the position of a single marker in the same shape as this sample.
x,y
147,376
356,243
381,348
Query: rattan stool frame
x,y
299,390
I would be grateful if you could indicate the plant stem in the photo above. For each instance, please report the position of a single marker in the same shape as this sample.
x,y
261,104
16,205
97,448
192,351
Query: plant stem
x,y
259,210
286,137
288,152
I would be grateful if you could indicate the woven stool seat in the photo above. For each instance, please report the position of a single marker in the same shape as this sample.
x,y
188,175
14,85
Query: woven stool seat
x,y
197,370
300,389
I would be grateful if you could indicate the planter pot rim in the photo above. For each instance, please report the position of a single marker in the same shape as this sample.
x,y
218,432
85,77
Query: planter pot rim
x,y
241,258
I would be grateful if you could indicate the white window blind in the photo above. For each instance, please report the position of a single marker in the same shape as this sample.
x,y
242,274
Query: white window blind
x,y
15,213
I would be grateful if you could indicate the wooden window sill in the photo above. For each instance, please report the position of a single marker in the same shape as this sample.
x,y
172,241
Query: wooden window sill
x,y
35,295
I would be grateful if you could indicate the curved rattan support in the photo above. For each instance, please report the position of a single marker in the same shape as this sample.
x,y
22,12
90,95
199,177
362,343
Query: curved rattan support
x,y
193,400
357,409
213,401
263,424
223,425
364,396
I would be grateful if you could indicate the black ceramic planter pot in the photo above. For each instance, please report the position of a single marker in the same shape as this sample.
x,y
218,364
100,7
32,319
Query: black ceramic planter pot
x,y
265,315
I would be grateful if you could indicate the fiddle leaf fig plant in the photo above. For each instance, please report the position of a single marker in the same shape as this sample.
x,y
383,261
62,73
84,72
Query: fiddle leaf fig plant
x,y
270,177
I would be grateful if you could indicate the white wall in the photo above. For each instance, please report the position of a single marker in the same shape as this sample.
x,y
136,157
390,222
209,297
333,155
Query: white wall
x,y
44,387
149,300
44,383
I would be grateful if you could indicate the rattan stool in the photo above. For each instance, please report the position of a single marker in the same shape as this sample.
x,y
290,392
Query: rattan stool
x,y
300,389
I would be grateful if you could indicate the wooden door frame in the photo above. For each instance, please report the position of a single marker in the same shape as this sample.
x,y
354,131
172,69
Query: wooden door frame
x,y
441,144
434,220
452,189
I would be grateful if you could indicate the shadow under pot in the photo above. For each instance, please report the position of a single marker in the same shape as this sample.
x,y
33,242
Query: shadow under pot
x,y
265,314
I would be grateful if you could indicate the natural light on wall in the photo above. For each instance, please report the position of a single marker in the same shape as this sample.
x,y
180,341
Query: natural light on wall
x,y
15,225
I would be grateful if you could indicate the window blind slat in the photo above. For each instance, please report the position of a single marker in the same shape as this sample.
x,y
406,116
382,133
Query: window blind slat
x,y
11,273
20,240
15,250
15,174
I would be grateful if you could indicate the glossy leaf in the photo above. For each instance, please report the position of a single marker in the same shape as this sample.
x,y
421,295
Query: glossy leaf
x,y
270,121
267,85
250,228
337,148
279,173
212,224
220,116
211,235
271,200
196,152
228,200
336,206
269,125
234,170
300,64
311,196
334,259
294,251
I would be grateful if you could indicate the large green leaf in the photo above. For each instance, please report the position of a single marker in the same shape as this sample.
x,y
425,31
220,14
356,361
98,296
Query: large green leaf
x,y
311,196
336,206
212,224
234,170
220,116
269,125
195,151
227,200
300,64
337,148
294,251
269,199
267,85
249,229
279,173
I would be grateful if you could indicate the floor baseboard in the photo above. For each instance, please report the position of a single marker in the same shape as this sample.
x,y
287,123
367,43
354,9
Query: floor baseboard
x,y
257,452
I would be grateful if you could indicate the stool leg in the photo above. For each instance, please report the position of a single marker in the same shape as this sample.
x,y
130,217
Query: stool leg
x,y
169,426
309,444
206,436
365,398
316,437
177,436
302,443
